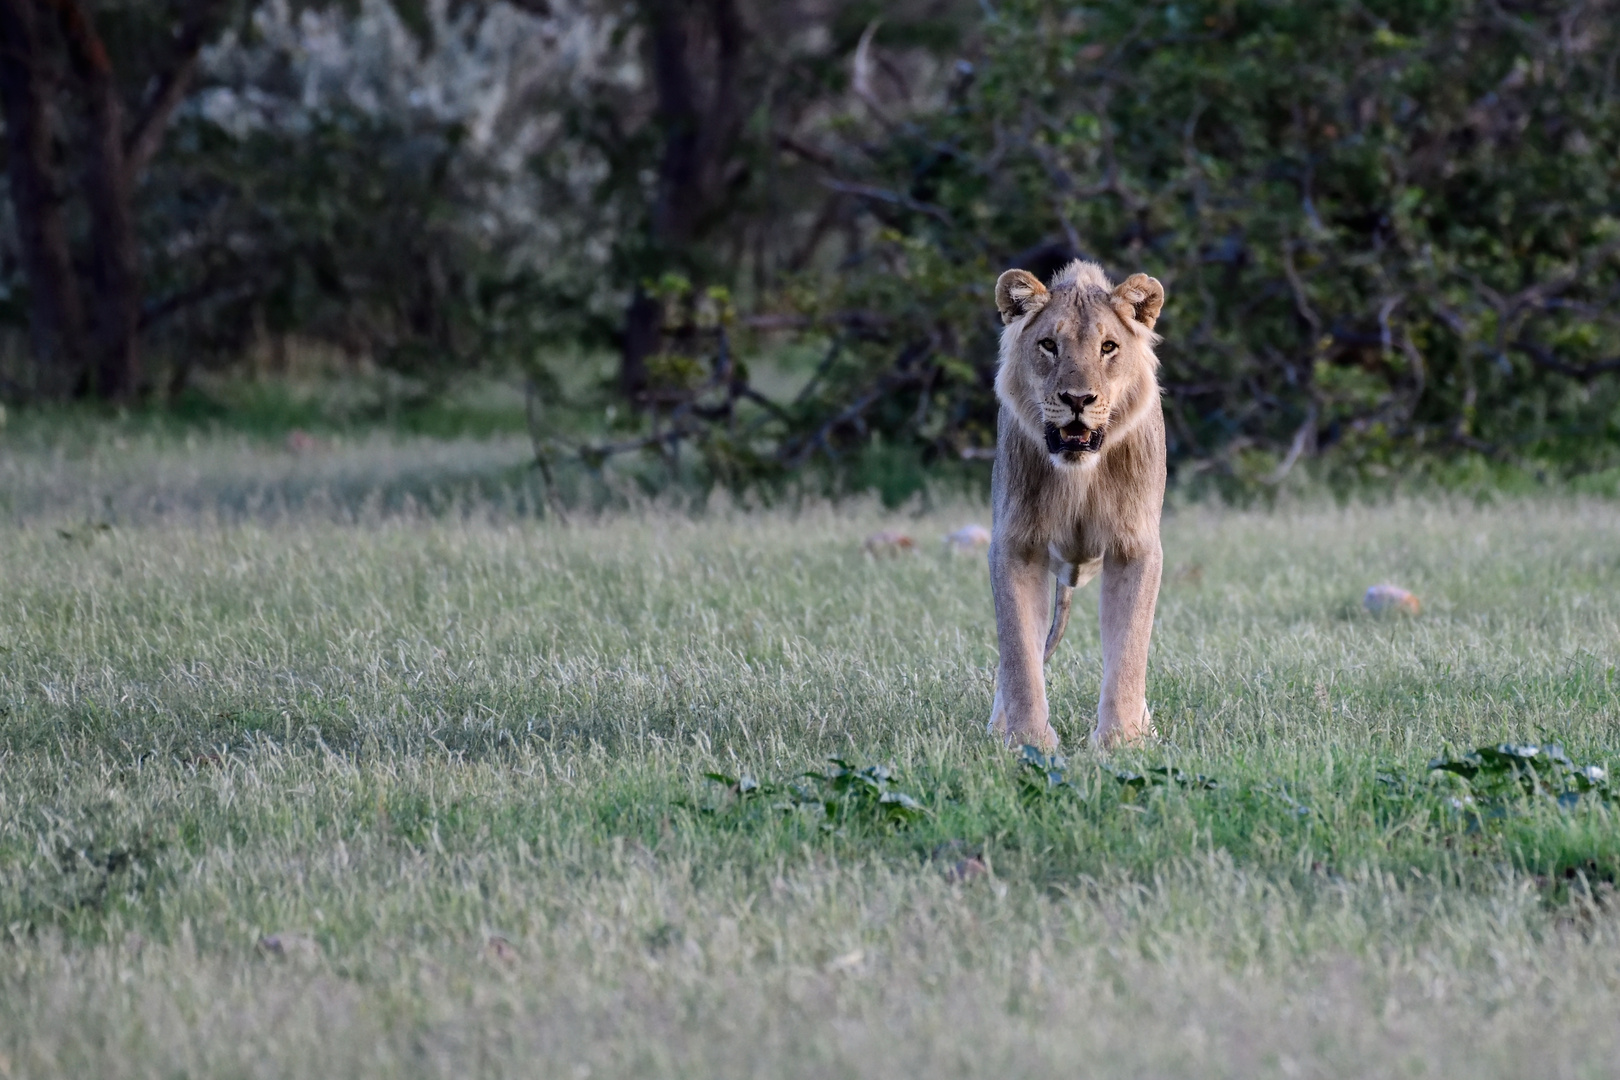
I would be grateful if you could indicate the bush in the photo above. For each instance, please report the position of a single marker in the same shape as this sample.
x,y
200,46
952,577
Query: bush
x,y
1391,229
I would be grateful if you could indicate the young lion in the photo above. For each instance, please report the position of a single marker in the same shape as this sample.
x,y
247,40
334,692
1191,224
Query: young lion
x,y
1078,488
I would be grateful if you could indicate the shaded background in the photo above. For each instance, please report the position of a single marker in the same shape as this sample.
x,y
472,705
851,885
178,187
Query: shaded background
x,y
745,243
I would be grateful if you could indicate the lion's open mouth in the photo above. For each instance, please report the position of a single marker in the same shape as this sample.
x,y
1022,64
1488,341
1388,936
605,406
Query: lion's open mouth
x,y
1073,438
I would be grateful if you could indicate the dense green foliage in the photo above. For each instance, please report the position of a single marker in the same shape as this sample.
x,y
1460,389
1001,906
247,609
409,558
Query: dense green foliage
x,y
351,231
1384,228
1389,231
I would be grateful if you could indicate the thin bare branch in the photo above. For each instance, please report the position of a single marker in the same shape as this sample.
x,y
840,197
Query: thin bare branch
x,y
172,86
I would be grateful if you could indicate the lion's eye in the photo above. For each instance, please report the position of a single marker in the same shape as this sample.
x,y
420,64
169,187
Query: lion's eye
x,y
1108,347
1047,345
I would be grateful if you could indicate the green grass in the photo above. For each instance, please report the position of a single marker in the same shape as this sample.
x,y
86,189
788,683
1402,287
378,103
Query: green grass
x,y
453,758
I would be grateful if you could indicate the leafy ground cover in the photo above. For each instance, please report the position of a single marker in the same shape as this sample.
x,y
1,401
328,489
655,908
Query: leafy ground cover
x,y
351,785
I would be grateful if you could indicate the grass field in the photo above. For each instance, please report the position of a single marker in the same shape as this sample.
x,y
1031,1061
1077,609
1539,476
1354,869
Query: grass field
x,y
309,767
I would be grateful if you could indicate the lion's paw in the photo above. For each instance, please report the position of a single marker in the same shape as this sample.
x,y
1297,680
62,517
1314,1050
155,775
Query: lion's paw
x,y
1041,736
1118,734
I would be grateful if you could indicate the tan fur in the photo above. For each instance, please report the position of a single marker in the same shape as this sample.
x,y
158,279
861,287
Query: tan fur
x,y
1076,513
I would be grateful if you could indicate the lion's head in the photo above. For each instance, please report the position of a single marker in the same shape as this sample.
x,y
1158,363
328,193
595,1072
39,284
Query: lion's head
x,y
1077,363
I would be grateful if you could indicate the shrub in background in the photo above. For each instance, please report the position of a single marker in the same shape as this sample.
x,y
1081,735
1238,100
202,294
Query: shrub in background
x,y
1388,229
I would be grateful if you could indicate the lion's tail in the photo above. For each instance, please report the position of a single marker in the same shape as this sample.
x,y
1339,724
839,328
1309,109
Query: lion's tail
x,y
1061,599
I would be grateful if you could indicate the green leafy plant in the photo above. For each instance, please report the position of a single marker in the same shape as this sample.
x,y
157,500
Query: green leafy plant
x,y
865,795
1161,776
1499,776
845,795
1042,776
748,792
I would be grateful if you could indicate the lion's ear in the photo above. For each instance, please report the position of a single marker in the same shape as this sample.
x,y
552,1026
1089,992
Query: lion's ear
x,y
1019,293
1139,297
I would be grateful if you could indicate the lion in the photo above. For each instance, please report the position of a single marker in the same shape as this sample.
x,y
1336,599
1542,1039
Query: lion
x,y
1077,490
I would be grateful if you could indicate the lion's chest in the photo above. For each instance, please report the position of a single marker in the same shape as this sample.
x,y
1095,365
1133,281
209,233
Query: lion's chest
x,y
1066,509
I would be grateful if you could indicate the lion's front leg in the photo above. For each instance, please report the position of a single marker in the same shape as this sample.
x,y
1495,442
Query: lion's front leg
x,y
1021,584
1130,591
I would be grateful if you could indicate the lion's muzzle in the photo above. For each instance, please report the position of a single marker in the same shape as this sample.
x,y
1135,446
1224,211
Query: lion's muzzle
x,y
1073,438
1075,422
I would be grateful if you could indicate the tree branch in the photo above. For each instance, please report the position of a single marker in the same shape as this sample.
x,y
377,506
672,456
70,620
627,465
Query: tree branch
x,y
147,134
89,54
1543,357
1302,438
868,191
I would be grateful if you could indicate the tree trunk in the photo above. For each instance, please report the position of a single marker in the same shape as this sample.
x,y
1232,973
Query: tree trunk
x,y
56,311
669,225
643,334
680,179
115,258
699,137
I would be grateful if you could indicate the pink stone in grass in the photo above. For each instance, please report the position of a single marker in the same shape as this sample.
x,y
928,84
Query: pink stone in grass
x,y
1381,599
889,543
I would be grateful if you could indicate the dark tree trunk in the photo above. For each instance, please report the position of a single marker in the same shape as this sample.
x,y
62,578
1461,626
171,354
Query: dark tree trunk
x,y
56,311
699,139
115,257
102,356
670,224
725,111
643,334
680,181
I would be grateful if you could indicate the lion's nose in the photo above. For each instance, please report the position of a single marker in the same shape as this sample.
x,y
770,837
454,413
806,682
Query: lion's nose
x,y
1076,400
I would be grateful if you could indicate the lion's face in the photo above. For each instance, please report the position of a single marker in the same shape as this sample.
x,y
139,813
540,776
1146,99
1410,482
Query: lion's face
x,y
1077,359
